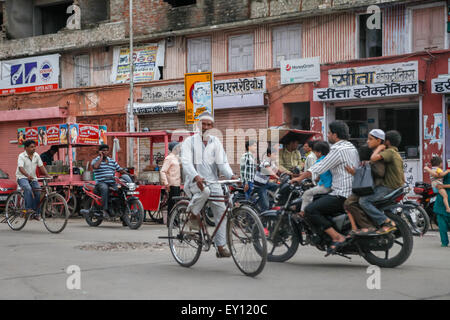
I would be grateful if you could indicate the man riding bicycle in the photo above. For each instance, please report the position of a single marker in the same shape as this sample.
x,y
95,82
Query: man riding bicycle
x,y
26,176
203,158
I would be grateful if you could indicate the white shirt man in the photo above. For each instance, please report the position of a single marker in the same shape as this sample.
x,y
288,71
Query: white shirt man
x,y
203,158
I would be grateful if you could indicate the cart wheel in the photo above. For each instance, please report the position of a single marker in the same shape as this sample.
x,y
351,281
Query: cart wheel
x,y
156,216
71,200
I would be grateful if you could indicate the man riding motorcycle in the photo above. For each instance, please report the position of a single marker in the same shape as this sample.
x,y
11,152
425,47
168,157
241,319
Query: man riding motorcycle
x,y
104,171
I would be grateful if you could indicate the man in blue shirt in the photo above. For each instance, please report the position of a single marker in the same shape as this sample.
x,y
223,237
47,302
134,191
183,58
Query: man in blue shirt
x,y
104,171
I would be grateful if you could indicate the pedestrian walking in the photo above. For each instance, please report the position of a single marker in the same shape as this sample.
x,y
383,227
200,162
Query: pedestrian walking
x,y
171,176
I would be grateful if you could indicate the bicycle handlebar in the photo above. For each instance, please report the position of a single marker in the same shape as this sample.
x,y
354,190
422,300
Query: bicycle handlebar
x,y
45,178
223,181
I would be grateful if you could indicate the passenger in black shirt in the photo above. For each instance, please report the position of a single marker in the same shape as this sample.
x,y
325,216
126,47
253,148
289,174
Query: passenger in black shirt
x,y
47,156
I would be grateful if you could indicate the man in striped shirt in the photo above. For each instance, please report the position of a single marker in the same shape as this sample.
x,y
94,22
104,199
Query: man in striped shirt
x,y
248,167
104,170
342,153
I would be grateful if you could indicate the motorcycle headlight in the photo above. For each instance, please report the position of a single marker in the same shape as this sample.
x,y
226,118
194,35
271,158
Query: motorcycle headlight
x,y
3,189
131,186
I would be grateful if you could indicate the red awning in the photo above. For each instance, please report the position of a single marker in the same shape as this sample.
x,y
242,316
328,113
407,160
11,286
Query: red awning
x,y
33,114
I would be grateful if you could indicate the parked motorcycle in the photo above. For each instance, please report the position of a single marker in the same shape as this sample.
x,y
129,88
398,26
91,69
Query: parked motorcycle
x,y
123,204
285,231
416,217
427,199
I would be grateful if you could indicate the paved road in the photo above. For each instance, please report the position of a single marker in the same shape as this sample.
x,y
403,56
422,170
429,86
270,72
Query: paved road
x,y
33,265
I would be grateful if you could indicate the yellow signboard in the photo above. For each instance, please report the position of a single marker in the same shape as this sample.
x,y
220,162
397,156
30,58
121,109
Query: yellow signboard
x,y
198,95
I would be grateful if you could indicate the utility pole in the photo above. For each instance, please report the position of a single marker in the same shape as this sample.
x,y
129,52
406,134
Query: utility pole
x,y
130,122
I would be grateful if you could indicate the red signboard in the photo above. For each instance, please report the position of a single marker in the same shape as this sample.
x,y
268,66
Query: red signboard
x,y
88,134
53,134
32,134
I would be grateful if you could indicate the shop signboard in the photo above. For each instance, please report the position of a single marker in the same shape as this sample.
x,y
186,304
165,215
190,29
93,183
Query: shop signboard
x,y
39,73
198,95
56,134
155,108
300,70
441,84
163,93
370,82
241,86
146,60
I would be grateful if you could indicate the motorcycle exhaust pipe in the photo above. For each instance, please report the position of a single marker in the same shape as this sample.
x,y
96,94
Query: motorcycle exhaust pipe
x,y
84,212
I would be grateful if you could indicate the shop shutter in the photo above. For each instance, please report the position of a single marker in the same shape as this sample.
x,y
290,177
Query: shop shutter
x,y
199,54
286,43
10,152
244,118
241,50
82,70
428,29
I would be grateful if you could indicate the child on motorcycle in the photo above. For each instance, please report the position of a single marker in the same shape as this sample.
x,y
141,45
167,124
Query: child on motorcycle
x,y
320,149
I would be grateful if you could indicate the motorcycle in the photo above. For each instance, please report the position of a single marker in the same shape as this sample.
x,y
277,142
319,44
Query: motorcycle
x,y
427,199
123,204
285,230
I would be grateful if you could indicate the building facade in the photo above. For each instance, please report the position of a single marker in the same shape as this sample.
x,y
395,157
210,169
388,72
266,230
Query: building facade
x,y
239,41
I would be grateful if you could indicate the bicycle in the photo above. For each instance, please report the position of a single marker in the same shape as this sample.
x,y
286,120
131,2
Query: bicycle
x,y
54,209
244,232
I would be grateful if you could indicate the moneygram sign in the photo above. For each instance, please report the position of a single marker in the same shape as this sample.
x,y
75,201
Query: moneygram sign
x,y
300,70
29,74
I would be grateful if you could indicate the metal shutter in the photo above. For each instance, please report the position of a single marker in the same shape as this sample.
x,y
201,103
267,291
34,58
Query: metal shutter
x,y
244,118
286,43
199,54
240,55
10,152
82,70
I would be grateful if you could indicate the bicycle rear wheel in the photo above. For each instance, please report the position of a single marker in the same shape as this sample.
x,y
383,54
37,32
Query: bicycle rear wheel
x,y
247,241
185,246
15,213
55,213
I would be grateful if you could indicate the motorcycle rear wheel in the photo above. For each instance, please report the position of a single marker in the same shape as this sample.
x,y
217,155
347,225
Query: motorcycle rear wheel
x,y
403,239
91,219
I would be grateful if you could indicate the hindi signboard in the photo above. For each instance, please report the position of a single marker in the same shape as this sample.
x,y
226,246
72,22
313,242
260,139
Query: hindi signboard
x,y
239,86
441,84
29,74
370,82
300,70
198,95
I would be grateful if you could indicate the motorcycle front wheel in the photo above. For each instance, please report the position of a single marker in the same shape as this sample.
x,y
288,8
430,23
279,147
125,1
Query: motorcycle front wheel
x,y
400,250
134,215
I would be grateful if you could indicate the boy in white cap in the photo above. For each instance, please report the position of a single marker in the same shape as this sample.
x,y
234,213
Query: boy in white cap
x,y
203,158
385,149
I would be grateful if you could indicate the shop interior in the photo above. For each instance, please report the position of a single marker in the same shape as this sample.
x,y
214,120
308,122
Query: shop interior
x,y
401,117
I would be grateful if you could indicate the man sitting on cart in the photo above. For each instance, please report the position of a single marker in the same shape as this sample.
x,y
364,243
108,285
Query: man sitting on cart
x,y
203,158
47,156
26,177
104,170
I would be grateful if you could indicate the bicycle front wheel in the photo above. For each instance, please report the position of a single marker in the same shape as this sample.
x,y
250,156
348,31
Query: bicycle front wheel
x,y
185,245
247,241
55,213
15,213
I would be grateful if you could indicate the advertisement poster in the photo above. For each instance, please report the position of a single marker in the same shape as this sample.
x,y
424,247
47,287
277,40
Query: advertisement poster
x,y
53,134
103,139
146,60
73,133
21,136
42,132
63,133
193,81
300,70
202,98
32,134
29,74
88,134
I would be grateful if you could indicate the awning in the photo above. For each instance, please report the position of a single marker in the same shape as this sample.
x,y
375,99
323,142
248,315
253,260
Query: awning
x,y
33,114
158,107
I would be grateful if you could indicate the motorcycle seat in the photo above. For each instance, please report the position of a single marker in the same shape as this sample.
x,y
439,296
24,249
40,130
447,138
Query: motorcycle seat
x,y
389,197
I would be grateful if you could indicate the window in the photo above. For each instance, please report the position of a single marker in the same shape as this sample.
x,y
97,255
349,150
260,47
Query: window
x,y
428,28
240,53
180,3
286,43
82,70
199,55
370,40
